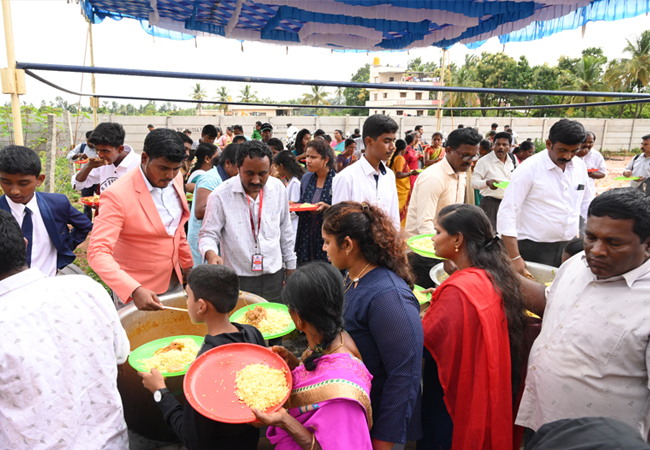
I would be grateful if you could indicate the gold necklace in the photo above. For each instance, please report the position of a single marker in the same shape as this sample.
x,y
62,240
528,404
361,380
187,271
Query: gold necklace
x,y
335,349
354,280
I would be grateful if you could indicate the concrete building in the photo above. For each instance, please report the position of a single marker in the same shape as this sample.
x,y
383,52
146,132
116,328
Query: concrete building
x,y
251,111
410,96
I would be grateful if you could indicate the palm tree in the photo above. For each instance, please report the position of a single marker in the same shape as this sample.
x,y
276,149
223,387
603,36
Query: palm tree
x,y
198,94
586,76
338,94
317,97
464,77
246,96
222,95
632,73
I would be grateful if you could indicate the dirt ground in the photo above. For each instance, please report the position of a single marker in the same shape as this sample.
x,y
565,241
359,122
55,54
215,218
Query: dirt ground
x,y
615,168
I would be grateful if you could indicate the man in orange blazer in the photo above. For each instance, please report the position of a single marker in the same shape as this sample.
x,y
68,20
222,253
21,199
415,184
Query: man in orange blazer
x,y
138,244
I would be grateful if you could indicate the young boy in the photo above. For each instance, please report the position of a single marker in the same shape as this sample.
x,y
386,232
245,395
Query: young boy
x,y
212,293
43,217
369,180
208,134
113,160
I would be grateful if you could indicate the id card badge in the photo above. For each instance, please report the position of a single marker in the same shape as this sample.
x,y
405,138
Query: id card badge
x,y
257,265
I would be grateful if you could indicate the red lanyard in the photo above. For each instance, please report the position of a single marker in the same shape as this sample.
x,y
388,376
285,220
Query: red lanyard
x,y
259,216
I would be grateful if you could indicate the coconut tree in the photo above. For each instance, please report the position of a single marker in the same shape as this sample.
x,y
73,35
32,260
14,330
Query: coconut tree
x,y
246,95
464,77
198,94
222,95
586,76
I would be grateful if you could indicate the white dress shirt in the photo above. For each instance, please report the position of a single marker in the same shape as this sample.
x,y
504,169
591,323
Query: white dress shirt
x,y
44,254
357,183
640,167
592,356
594,160
60,343
293,193
436,187
88,151
491,168
104,176
227,222
168,204
543,202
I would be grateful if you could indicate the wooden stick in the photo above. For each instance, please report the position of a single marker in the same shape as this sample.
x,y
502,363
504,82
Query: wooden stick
x,y
175,309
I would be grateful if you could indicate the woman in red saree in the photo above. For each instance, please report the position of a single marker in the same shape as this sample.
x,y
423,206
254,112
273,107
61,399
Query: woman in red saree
x,y
474,334
411,156
329,405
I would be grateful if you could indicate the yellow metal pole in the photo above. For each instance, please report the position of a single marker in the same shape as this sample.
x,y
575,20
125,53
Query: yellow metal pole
x,y
92,76
442,82
11,62
451,94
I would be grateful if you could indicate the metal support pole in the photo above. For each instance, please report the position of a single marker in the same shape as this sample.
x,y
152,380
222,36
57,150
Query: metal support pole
x,y
11,64
94,100
451,94
442,80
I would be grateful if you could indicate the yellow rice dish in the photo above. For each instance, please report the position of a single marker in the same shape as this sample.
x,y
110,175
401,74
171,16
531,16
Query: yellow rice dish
x,y
173,358
422,298
424,244
268,321
260,386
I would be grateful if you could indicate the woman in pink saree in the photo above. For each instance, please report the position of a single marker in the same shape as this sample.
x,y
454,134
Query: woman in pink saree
x,y
329,405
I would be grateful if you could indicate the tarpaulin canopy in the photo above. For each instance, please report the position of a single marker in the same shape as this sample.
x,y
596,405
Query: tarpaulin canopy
x,y
370,25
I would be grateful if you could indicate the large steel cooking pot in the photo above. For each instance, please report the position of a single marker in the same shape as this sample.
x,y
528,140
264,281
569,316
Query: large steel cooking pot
x,y
541,272
141,413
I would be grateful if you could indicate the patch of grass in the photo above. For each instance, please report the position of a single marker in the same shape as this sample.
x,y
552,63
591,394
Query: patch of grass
x,y
82,263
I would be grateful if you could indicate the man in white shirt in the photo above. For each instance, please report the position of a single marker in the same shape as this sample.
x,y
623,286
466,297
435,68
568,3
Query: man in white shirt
x,y
370,180
640,164
247,218
592,356
60,343
113,160
596,167
440,185
85,150
495,167
546,196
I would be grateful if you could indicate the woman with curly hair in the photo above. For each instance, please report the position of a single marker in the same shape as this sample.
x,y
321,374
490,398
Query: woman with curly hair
x,y
474,336
362,239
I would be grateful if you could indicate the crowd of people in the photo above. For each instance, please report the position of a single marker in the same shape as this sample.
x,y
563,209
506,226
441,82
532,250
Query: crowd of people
x,y
472,371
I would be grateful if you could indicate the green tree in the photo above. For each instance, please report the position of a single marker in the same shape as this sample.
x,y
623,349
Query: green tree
x,y
586,76
495,70
223,95
358,96
316,97
246,95
198,94
465,77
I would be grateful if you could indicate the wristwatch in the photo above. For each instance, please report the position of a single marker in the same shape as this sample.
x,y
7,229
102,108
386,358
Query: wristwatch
x,y
159,394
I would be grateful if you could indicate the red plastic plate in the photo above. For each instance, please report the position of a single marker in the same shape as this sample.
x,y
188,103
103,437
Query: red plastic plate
x,y
296,207
592,170
209,383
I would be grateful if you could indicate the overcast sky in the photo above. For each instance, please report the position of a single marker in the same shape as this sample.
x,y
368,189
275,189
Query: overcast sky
x,y
54,31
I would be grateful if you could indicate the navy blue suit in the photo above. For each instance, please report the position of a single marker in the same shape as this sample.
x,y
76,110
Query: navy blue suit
x,y
57,213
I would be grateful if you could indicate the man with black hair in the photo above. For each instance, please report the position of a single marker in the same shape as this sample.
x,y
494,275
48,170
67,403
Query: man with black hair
x,y
441,185
275,145
247,222
420,129
592,357
496,167
85,150
257,131
60,343
640,164
318,134
239,139
52,227
208,134
238,130
369,180
267,132
189,148
546,196
114,158
138,246
356,134
494,128
150,127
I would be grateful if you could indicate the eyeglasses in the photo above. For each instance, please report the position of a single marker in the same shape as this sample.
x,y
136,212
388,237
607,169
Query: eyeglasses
x,y
468,158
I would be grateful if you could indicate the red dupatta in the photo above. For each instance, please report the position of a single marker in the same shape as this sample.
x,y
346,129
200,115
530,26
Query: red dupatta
x,y
474,363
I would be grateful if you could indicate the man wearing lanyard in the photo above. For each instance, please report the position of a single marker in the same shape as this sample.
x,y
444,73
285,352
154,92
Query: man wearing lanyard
x,y
546,196
247,225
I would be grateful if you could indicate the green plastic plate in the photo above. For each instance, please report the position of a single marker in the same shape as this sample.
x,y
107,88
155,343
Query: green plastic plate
x,y
502,184
410,241
239,314
147,350
417,289
626,178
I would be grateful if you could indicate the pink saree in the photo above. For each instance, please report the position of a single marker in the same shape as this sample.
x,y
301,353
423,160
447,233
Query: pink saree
x,y
333,402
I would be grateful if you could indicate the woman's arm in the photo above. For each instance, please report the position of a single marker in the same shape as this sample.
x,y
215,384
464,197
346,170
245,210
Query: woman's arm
x,y
282,419
200,202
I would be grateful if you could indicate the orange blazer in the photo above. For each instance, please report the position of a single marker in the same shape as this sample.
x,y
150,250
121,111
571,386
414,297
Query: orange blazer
x,y
129,246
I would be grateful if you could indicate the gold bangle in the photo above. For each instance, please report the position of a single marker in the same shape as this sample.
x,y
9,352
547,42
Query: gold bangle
x,y
313,441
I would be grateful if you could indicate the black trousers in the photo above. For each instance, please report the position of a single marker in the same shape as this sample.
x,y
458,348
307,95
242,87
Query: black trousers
x,y
89,192
421,268
491,207
549,253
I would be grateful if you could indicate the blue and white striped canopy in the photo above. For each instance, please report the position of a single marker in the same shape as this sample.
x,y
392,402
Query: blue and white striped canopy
x,y
370,25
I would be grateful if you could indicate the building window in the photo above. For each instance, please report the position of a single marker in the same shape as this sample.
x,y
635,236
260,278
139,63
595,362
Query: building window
x,y
420,112
400,113
418,95
375,97
385,95
402,95
391,79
